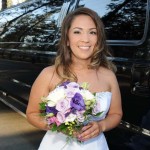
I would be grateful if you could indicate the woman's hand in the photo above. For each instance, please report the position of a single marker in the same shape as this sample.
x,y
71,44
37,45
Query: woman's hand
x,y
89,131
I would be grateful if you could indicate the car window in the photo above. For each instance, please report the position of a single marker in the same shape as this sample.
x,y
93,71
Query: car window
x,y
30,26
123,19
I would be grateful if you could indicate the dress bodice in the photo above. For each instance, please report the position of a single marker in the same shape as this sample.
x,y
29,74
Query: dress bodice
x,y
105,100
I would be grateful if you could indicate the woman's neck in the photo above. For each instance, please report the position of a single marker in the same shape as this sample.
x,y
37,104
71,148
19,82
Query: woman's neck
x,y
80,65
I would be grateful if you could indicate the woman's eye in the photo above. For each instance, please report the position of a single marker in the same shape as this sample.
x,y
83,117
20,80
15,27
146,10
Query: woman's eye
x,y
76,32
93,32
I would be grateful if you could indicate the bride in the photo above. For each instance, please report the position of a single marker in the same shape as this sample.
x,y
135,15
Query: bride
x,y
82,57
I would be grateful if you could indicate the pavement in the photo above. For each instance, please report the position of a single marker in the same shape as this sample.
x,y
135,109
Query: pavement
x,y
16,133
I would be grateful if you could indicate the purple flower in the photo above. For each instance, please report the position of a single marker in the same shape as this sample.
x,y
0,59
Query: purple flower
x,y
77,102
53,120
51,110
64,84
72,89
70,93
73,85
63,105
61,117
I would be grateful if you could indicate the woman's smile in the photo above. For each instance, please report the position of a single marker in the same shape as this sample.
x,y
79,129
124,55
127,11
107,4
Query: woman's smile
x,y
84,47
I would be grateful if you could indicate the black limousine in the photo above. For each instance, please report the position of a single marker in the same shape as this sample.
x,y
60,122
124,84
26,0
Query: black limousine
x,y
30,31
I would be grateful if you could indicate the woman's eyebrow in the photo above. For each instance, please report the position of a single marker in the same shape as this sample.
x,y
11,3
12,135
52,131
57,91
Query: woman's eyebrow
x,y
77,28
92,28
82,28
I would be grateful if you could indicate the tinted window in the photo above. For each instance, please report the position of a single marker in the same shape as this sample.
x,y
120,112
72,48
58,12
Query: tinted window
x,y
30,26
4,4
123,19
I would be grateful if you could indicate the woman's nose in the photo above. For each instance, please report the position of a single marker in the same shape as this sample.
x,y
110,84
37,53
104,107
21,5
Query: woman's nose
x,y
85,37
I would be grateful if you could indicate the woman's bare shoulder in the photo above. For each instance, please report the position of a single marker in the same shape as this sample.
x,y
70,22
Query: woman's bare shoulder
x,y
45,75
43,79
47,71
49,76
109,77
106,72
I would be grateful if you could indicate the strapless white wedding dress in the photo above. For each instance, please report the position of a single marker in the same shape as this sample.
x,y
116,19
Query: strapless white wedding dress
x,y
57,141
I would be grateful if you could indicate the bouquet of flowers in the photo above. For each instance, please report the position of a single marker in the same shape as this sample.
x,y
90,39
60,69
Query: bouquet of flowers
x,y
69,107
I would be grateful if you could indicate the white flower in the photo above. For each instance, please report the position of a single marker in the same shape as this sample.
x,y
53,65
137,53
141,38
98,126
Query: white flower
x,y
96,108
51,103
87,95
55,96
70,118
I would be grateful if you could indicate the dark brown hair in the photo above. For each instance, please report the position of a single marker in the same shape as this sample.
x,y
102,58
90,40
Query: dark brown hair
x,y
99,57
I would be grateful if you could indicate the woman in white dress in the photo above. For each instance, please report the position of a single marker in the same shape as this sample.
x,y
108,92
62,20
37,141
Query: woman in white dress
x,y
82,57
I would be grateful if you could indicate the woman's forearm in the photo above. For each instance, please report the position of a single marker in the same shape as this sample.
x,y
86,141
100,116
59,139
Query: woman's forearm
x,y
38,121
110,122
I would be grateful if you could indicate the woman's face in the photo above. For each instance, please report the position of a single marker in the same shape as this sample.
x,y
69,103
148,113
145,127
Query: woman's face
x,y
82,37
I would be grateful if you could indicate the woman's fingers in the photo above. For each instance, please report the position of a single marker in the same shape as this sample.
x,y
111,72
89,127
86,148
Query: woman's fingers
x,y
90,131
85,136
86,127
